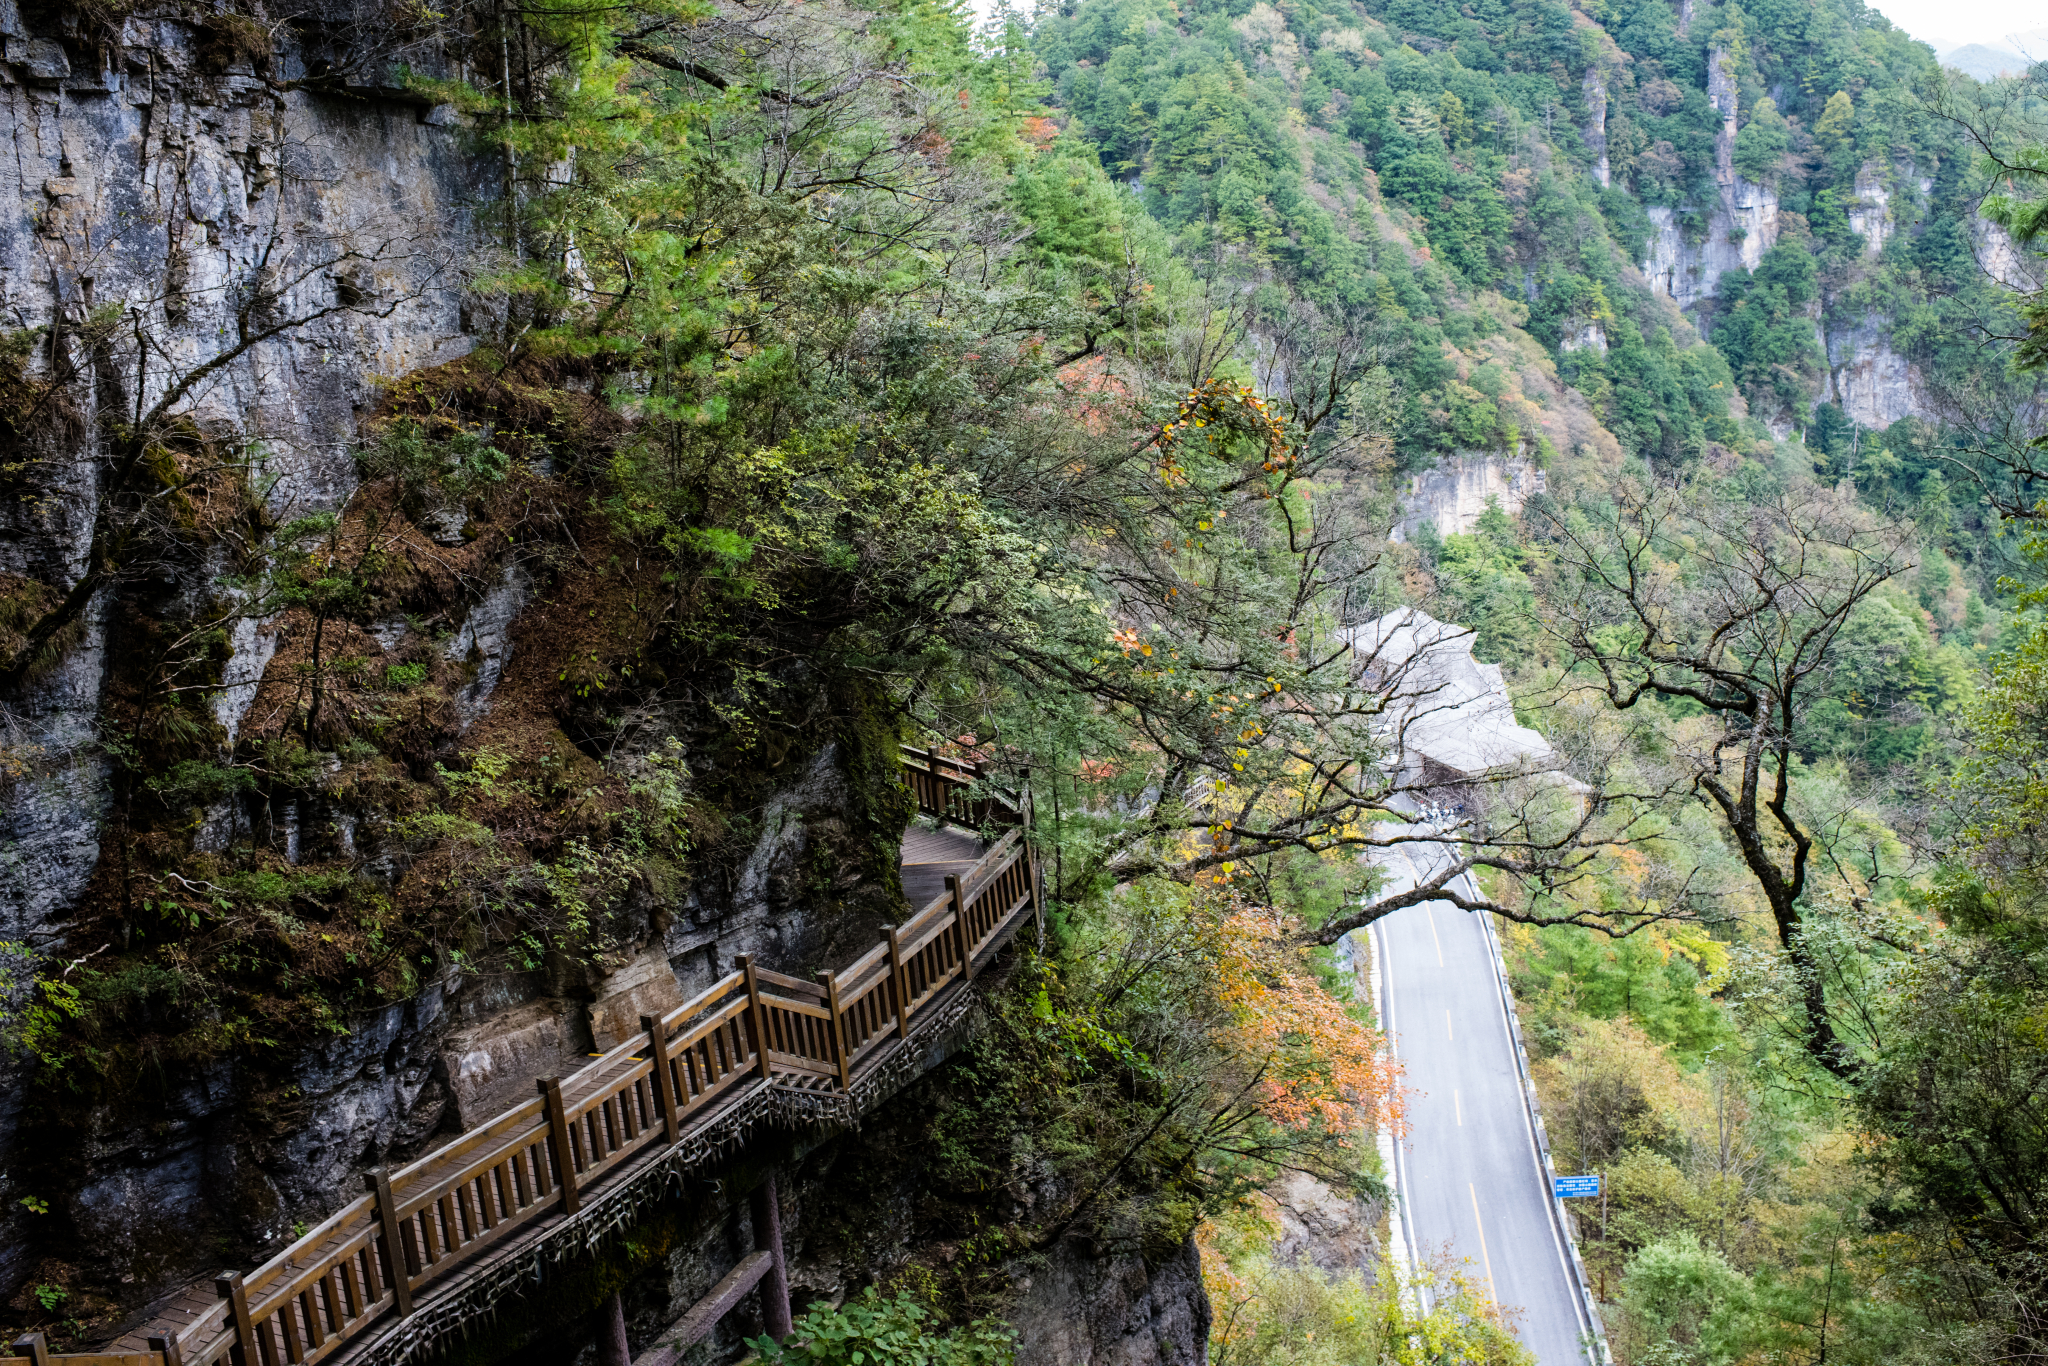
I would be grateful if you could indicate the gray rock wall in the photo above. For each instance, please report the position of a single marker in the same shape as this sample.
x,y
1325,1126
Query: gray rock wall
x,y
156,171
1741,222
1121,1310
1452,494
161,184
1873,383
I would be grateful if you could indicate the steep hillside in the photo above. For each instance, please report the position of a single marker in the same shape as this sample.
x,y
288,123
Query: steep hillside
x,y
1771,170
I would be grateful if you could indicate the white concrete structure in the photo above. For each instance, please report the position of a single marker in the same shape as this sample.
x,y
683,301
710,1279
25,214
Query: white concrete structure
x,y
1447,709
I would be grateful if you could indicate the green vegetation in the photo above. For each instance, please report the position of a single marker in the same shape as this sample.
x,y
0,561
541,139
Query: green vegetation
x,y
873,1330
1271,1315
1046,396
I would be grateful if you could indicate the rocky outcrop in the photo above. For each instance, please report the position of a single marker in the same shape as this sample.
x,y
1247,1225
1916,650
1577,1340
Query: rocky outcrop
x,y
1587,336
1596,123
1453,494
155,1200
2001,259
1870,213
484,642
1871,381
1324,1228
1740,225
1085,1310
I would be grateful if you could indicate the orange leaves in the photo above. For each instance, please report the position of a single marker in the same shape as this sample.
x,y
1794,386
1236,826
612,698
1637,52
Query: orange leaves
x,y
1321,1067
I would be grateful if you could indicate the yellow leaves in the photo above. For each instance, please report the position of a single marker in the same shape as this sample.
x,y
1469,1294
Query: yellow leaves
x,y
1710,955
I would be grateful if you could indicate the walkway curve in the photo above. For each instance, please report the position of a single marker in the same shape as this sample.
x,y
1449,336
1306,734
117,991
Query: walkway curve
x,y
437,1243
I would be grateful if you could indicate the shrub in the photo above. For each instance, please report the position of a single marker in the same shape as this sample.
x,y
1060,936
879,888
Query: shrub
x,y
873,1331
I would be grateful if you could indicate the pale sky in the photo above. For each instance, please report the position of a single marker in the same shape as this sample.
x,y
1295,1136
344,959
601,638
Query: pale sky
x,y
1965,21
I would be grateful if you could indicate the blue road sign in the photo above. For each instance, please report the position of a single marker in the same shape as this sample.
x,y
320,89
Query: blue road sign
x,y
1564,1187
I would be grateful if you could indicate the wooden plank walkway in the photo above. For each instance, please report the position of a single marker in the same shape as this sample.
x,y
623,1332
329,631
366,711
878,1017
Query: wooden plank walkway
x,y
486,1195
930,856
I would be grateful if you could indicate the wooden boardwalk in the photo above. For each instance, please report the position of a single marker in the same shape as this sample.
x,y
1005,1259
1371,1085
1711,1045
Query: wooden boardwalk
x,y
931,856
425,1237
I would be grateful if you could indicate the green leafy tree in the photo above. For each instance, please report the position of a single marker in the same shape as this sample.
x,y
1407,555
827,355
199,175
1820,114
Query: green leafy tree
x,y
1763,142
1739,607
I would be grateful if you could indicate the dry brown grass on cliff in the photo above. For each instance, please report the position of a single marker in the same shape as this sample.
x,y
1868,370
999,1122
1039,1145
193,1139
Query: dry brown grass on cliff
x,y
539,406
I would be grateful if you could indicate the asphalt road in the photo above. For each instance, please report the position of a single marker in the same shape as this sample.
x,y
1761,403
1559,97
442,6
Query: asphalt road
x,y
1469,1178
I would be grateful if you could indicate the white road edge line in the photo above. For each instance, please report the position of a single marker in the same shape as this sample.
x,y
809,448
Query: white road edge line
x,y
1402,1253
1593,1333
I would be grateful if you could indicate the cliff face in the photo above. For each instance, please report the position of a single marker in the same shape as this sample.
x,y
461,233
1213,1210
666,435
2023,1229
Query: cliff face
x,y
1741,222
1867,377
1452,494
154,166
285,232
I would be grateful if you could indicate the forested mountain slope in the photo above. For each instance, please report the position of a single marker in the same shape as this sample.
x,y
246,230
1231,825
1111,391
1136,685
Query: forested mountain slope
x,y
1772,170
1684,311
1582,237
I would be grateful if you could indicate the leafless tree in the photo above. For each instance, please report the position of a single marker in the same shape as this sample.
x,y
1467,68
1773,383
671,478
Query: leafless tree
x,y
1697,594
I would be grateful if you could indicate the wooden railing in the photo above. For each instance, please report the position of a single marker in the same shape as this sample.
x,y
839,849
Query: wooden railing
x,y
414,1226
942,788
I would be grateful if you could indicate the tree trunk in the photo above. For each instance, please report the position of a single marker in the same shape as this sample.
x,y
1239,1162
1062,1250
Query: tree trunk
x,y
612,1349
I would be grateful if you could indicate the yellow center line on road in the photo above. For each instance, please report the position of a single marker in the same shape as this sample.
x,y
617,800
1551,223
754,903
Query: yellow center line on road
x,y
1433,935
1484,1257
1460,1106
1448,1034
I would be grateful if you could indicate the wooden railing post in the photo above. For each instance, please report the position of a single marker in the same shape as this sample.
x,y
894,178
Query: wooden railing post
x,y
757,1020
902,981
169,1349
558,1139
247,1349
838,1026
962,935
664,1080
1037,876
32,1346
401,1253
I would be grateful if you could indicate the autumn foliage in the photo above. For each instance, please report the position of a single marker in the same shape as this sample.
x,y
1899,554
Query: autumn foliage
x,y
1318,1065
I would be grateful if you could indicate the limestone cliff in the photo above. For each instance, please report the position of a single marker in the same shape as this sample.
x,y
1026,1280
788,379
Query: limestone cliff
x,y
161,164
1452,494
1740,223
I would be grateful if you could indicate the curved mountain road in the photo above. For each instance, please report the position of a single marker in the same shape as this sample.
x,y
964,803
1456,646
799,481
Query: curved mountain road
x,y
1469,1176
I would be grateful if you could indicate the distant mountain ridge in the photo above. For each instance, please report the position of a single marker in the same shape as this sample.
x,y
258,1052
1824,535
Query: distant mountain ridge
x,y
1571,172
2011,56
